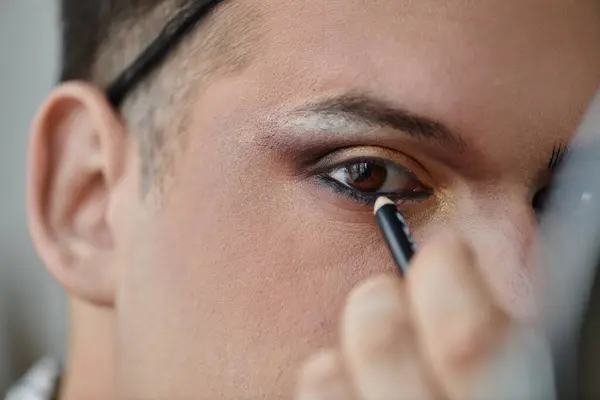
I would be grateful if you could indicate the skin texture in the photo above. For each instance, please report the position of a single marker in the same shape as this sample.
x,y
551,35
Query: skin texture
x,y
223,281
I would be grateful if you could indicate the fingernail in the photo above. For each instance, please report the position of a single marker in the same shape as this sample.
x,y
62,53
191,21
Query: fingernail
x,y
376,318
322,378
445,279
374,298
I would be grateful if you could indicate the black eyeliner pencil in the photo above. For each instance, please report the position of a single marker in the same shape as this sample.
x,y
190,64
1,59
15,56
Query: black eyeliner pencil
x,y
395,232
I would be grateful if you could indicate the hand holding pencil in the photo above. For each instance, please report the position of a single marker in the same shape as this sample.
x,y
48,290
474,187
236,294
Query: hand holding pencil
x,y
432,332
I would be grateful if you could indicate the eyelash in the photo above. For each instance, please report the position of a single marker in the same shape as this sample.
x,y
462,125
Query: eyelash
x,y
364,198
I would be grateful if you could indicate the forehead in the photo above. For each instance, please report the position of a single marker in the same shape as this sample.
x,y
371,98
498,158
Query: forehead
x,y
490,32
446,47
488,68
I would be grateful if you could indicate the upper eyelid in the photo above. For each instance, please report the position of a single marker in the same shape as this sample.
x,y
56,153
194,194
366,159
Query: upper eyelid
x,y
332,160
366,152
371,159
345,155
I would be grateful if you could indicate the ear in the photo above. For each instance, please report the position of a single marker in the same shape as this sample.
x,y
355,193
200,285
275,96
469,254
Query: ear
x,y
76,157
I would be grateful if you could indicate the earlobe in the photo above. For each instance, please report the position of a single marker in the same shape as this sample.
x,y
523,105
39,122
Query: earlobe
x,y
76,158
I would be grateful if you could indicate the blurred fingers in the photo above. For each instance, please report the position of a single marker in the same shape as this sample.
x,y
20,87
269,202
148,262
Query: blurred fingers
x,y
459,326
379,345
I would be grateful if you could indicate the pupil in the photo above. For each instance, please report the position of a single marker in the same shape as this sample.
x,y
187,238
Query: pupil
x,y
366,176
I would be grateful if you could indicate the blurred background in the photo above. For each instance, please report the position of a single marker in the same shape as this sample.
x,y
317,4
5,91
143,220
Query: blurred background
x,y
32,309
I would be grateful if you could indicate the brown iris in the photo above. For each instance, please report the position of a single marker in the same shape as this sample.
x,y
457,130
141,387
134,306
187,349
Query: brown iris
x,y
366,176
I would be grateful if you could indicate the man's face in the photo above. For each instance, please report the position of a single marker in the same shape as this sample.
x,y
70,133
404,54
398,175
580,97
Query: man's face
x,y
239,268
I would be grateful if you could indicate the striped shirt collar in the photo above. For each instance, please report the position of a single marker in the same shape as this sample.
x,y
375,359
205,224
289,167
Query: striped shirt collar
x,y
40,383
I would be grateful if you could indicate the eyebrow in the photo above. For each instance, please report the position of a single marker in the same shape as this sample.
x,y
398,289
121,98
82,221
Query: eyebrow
x,y
360,111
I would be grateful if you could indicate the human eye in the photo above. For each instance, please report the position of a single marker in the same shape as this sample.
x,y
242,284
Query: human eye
x,y
365,177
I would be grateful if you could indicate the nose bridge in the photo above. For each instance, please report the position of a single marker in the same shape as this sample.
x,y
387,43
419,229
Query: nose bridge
x,y
501,229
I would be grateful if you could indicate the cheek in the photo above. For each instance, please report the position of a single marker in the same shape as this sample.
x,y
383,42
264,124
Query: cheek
x,y
240,268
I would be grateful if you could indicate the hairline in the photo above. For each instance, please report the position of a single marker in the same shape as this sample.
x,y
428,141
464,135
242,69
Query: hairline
x,y
164,93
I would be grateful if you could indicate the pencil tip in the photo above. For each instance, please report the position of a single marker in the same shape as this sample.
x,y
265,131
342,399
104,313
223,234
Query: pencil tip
x,y
382,201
